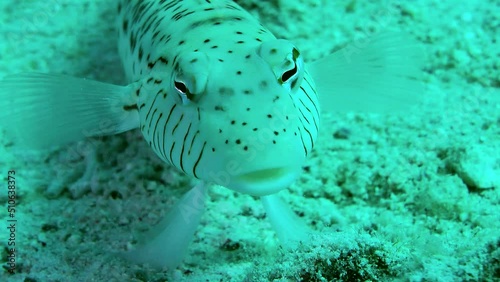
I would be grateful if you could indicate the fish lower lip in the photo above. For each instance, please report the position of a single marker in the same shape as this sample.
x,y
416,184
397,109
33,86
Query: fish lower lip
x,y
265,181
264,174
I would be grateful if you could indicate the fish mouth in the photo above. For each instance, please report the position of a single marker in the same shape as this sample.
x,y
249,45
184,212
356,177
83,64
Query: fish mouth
x,y
264,181
264,174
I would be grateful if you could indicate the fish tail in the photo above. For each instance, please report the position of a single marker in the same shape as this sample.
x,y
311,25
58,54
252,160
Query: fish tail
x,y
43,110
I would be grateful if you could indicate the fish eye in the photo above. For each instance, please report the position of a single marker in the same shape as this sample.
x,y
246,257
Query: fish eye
x,y
293,72
181,87
289,73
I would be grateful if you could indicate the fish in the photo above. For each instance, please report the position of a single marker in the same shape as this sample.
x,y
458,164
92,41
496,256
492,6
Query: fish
x,y
217,96
226,91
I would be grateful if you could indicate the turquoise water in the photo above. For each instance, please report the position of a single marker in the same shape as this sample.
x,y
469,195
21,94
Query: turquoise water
x,y
411,196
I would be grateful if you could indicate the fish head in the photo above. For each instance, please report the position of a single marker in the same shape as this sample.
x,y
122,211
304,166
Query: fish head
x,y
254,115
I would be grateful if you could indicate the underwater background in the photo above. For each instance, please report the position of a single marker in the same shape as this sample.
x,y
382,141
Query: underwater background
x,y
413,196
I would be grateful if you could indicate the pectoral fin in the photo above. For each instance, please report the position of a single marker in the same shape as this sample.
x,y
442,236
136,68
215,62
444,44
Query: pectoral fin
x,y
42,110
379,74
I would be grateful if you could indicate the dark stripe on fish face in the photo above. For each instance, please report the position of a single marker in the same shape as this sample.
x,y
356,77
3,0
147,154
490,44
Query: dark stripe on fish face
x,y
165,129
310,100
303,116
151,119
192,142
302,139
310,136
171,151
155,132
310,114
177,125
181,157
199,158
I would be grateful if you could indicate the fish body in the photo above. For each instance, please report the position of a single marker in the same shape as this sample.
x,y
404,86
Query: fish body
x,y
212,101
